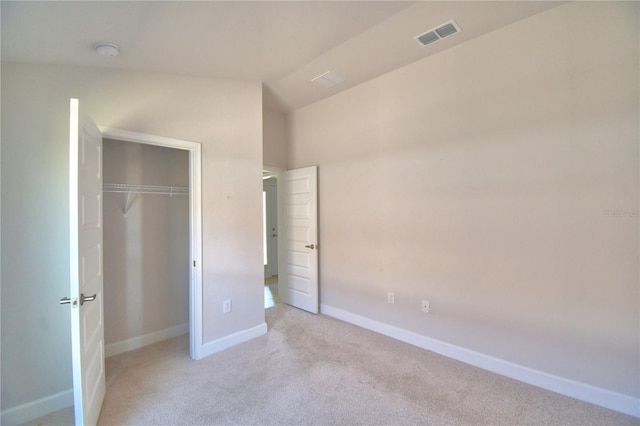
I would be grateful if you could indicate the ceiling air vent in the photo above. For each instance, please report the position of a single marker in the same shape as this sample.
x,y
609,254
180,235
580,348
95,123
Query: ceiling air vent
x,y
444,30
328,79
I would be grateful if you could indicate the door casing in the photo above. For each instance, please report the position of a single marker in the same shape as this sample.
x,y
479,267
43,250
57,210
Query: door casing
x,y
195,223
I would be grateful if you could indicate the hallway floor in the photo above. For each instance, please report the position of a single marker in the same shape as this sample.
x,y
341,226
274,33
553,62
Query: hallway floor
x,y
271,292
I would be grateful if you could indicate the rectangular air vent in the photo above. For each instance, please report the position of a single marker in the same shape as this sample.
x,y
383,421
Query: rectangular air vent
x,y
428,38
328,79
445,30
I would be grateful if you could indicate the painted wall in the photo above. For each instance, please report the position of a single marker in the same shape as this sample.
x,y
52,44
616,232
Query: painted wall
x,y
224,116
146,252
498,180
275,133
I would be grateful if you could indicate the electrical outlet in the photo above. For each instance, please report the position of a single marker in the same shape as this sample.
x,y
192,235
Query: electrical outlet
x,y
391,297
425,306
226,306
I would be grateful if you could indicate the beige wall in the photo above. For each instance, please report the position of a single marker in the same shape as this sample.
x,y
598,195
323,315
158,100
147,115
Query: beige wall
x,y
146,252
274,122
499,180
224,116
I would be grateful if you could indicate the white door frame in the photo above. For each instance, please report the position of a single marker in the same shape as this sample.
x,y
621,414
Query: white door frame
x,y
271,171
195,222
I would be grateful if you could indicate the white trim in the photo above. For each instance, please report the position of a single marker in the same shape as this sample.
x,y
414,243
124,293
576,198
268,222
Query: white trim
x,y
40,407
582,391
129,136
226,342
147,339
195,222
271,171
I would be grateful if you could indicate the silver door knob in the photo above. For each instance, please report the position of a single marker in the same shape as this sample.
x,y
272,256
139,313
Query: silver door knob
x,y
311,246
87,298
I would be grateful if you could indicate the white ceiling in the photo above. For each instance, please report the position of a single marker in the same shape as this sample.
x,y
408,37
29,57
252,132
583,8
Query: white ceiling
x,y
281,43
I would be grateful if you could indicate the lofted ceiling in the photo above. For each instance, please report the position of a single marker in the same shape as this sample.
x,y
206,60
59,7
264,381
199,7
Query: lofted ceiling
x,y
284,44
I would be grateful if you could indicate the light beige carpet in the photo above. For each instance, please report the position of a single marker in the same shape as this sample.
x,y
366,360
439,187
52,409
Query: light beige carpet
x,y
315,370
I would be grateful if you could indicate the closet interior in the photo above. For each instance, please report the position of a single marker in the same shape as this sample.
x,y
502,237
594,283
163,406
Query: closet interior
x,y
146,244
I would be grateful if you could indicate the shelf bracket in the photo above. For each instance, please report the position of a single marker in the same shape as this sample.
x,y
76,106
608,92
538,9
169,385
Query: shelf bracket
x,y
131,198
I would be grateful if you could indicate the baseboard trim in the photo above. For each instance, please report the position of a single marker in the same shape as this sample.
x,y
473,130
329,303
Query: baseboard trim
x,y
226,342
148,339
582,391
38,408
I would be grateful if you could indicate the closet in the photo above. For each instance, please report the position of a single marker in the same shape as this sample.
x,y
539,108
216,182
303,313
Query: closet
x,y
146,244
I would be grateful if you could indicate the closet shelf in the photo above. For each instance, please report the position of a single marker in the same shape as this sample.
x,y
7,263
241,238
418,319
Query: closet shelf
x,y
144,189
133,191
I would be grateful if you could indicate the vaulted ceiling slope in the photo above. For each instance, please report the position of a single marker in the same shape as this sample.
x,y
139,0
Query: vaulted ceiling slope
x,y
284,44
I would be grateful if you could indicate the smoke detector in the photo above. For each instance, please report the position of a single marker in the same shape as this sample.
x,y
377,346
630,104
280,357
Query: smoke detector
x,y
107,49
445,30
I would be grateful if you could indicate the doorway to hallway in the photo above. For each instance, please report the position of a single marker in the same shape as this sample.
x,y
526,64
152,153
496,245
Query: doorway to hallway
x,y
270,237
271,292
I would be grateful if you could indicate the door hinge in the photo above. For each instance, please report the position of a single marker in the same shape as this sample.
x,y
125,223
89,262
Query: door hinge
x,y
194,263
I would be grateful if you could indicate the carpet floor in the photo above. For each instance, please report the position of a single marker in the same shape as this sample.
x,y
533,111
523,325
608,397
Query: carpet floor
x,y
315,370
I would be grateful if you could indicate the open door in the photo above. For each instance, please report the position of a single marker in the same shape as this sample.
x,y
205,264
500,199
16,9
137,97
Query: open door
x,y
298,238
85,221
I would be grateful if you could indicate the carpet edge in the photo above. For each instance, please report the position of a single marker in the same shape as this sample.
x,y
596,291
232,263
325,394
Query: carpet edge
x,y
231,340
588,393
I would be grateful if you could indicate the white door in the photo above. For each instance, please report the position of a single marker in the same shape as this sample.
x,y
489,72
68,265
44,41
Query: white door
x,y
85,221
298,238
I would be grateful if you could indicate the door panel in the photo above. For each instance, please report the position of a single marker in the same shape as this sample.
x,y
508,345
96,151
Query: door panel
x,y
298,238
86,269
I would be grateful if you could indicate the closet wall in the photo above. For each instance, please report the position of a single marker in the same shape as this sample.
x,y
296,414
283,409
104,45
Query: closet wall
x,y
146,252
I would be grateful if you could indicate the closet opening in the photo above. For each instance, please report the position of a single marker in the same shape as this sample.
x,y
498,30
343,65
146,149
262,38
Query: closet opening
x,y
152,241
270,235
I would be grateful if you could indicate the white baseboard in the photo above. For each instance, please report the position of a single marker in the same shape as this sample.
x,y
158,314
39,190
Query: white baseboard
x,y
582,391
148,339
38,408
226,342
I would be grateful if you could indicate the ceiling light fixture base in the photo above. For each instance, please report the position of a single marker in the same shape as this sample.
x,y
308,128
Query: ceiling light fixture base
x,y
107,49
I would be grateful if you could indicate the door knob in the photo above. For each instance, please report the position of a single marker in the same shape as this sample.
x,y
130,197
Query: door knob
x,y
84,298
311,246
